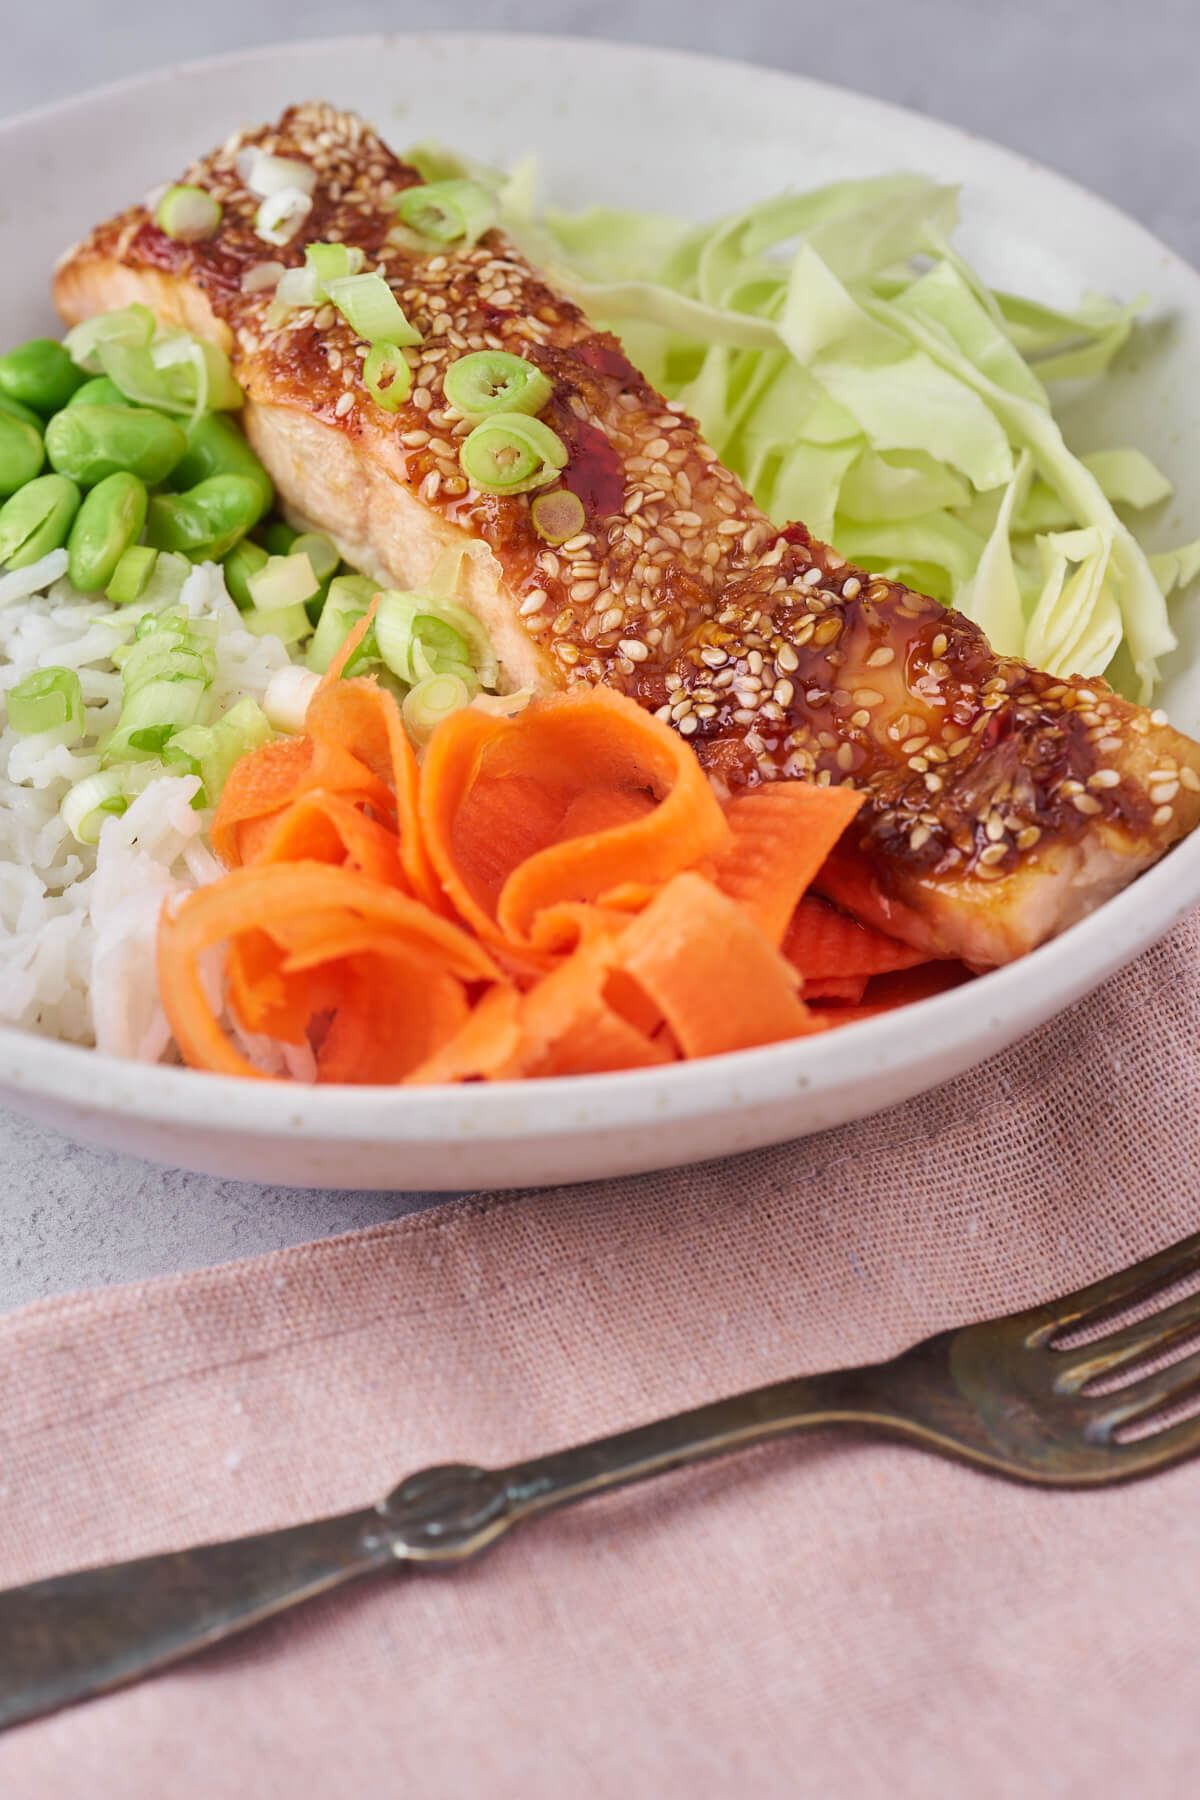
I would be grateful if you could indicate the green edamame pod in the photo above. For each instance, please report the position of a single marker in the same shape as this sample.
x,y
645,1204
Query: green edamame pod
x,y
40,374
243,561
207,521
216,446
37,519
108,522
15,410
21,453
89,443
99,391
278,537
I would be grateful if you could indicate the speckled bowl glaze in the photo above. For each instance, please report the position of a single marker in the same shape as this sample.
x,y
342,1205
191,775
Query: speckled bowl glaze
x,y
690,135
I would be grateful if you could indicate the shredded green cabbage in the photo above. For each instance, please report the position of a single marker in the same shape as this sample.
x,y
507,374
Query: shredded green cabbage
x,y
841,355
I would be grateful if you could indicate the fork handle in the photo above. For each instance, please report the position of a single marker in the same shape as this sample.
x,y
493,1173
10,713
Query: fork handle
x,y
76,1635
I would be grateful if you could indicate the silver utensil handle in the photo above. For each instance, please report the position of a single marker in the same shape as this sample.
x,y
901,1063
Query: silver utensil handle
x,y
76,1635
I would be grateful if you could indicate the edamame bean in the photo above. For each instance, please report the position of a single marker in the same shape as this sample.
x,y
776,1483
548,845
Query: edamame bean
x,y
108,522
207,521
217,447
243,561
21,453
99,391
89,443
278,537
15,410
37,519
40,374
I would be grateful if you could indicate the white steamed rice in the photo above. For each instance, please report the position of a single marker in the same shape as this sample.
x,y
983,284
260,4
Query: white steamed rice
x,y
77,925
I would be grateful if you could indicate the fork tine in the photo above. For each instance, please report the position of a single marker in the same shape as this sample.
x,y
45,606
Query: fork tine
x,y
1143,1338
1158,1449
1137,1282
1176,1382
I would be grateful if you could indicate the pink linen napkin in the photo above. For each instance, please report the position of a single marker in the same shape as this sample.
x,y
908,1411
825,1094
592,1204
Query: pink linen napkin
x,y
827,1617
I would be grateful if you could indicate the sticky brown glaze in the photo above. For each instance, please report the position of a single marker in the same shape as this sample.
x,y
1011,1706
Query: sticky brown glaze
x,y
1002,804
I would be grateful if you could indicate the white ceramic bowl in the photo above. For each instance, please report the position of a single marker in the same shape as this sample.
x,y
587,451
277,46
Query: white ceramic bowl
x,y
685,134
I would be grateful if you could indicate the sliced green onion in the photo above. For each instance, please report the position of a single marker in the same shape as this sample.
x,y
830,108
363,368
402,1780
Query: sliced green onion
x,y
418,637
370,308
187,213
503,706
132,574
492,381
166,579
47,700
243,728
86,806
387,376
265,174
431,701
558,516
290,624
132,325
509,454
297,288
333,262
279,218
448,210
321,552
348,598
289,691
283,581
179,374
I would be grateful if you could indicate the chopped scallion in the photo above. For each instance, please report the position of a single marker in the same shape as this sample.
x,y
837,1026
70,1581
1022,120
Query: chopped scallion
x,y
322,554
290,624
447,211
133,325
333,262
387,376
492,381
86,806
289,691
266,175
558,516
279,218
510,453
187,213
47,700
371,309
283,581
131,575
431,701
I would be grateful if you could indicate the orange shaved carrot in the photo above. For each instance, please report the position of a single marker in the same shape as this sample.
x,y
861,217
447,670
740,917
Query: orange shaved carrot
x,y
782,833
568,1027
348,911
821,941
848,989
396,1012
320,827
717,978
488,1043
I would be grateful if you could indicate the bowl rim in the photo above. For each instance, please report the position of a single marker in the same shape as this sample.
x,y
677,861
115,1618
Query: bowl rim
x,y
950,1024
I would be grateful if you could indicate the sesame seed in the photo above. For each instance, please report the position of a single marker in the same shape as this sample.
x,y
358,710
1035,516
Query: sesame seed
x,y
1027,838
1157,717
845,757
918,765
852,589
1104,778
918,837
784,692
867,697
914,744
1190,779
1087,804
533,604
610,620
1163,791
344,403
993,854
422,399
744,716
1162,815
881,657
689,725
812,578
634,649
582,591
754,662
713,657
787,659
1108,744
940,645
939,669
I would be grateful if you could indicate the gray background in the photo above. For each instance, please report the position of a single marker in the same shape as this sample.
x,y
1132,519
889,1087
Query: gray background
x,y
1105,90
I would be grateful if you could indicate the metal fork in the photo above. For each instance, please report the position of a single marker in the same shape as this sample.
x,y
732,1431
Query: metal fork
x,y
999,1394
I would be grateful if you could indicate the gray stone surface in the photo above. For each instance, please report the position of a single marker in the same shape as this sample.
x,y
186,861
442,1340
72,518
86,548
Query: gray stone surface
x,y
1104,90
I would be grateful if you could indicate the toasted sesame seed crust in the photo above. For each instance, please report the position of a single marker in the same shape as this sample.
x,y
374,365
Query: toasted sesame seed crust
x,y
765,649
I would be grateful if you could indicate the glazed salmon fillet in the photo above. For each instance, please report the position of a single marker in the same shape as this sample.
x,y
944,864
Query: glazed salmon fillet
x,y
1002,804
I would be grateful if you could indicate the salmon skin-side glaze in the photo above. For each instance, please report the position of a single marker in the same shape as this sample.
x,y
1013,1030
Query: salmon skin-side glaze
x,y
1002,803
